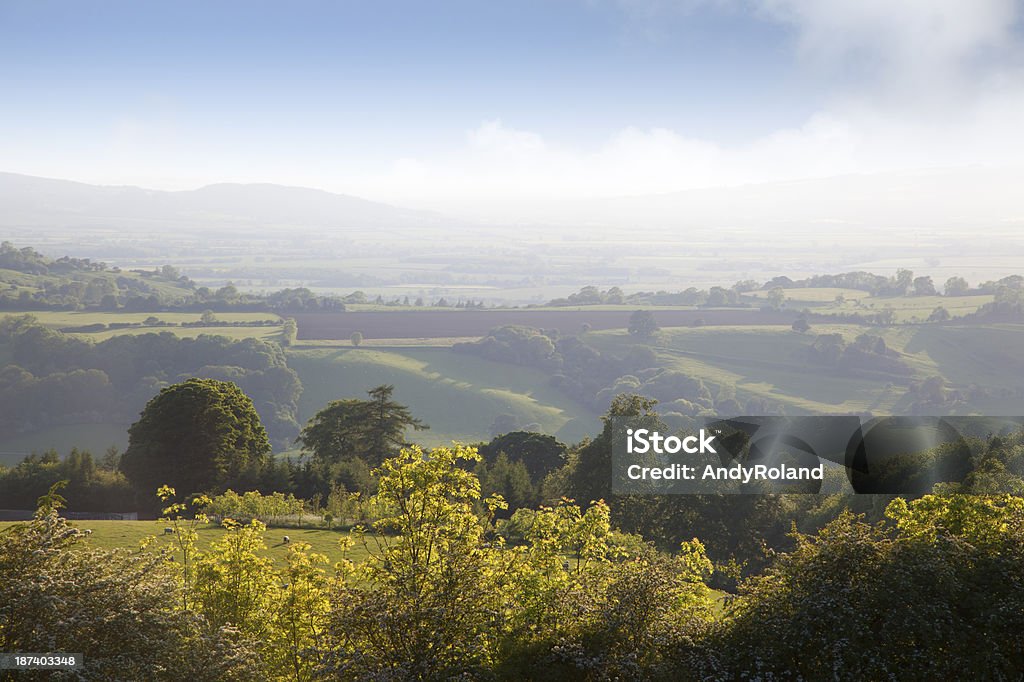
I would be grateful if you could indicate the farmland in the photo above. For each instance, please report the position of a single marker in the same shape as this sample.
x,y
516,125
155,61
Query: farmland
x,y
128,535
476,323
769,362
457,395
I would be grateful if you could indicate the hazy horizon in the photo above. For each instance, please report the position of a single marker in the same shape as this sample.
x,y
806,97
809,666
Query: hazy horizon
x,y
495,111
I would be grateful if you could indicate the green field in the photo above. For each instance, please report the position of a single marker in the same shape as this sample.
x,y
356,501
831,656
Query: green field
x,y
814,295
425,342
60,319
70,318
128,534
907,308
769,362
458,395
234,333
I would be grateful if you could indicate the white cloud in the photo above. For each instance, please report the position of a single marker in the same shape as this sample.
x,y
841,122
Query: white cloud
x,y
912,84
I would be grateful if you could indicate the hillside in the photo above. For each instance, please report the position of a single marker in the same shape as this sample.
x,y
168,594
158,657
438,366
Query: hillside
x,y
772,363
457,395
30,200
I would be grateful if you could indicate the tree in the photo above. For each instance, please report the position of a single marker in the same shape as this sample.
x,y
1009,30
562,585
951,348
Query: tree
x,y
387,423
956,286
58,593
940,314
903,281
199,435
540,453
289,332
801,325
590,468
776,298
952,563
356,338
371,430
208,317
923,286
642,324
424,603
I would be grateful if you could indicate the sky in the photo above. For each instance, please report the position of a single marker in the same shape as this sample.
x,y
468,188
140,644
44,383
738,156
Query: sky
x,y
442,102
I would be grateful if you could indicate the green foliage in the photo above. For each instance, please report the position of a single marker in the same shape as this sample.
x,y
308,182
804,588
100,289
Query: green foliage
x,y
57,379
540,453
234,585
936,592
590,468
368,430
426,602
253,505
90,486
199,435
642,324
441,596
117,607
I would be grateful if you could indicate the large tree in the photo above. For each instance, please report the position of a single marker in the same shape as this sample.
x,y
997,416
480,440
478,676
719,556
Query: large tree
x,y
199,435
371,430
642,324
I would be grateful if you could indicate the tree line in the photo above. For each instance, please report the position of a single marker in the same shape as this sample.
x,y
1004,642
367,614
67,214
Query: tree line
x,y
929,590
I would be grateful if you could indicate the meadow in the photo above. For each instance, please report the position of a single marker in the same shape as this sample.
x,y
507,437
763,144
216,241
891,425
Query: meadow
x,y
457,395
770,362
428,323
128,535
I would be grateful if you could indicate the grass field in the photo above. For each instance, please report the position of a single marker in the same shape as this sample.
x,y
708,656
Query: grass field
x,y
59,319
906,308
128,534
63,318
424,342
814,295
234,333
458,395
477,323
768,362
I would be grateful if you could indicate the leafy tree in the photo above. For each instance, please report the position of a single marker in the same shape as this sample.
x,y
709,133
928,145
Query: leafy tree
x,y
956,286
510,480
952,565
940,314
289,332
234,584
425,602
540,453
371,430
199,435
590,468
59,593
642,324
923,286
801,326
902,282
357,338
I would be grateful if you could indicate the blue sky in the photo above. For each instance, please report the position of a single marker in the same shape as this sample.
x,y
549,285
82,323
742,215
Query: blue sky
x,y
410,100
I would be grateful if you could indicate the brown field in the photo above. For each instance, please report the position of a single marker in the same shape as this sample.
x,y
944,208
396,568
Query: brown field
x,y
476,323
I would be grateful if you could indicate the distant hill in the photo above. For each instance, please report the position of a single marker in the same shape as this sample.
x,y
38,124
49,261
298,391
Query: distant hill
x,y
29,201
